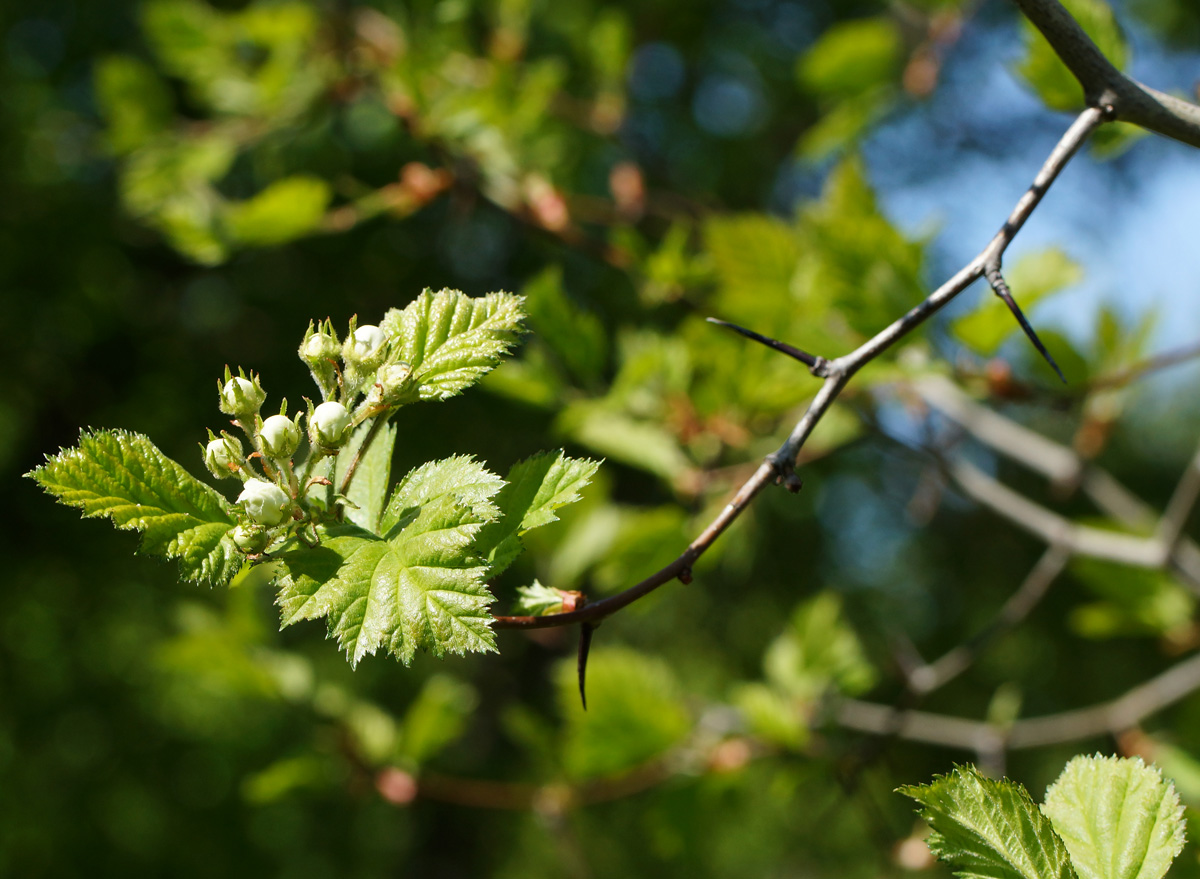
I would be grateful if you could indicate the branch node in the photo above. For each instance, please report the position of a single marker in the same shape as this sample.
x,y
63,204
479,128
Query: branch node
x,y
685,576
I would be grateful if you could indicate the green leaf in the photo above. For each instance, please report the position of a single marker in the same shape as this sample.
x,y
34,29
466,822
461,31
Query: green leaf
x,y
1118,817
286,210
817,650
1042,69
436,718
852,57
1134,601
451,340
1032,278
537,600
635,712
420,589
535,488
368,489
123,476
643,444
459,477
134,100
989,829
575,336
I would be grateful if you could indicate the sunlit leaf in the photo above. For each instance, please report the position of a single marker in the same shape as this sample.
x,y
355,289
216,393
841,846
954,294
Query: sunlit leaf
x,y
988,829
1118,817
124,477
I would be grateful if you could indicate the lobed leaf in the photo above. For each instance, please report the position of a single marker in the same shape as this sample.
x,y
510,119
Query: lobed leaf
x,y
420,589
123,476
989,829
451,340
459,477
536,487
1118,817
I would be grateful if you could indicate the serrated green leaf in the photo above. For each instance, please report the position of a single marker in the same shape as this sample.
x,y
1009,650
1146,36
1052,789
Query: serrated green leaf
x,y
436,718
420,589
537,600
459,477
452,340
123,476
635,712
1118,817
535,488
368,489
989,829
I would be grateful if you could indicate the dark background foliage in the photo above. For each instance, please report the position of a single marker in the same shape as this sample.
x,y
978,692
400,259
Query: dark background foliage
x,y
631,167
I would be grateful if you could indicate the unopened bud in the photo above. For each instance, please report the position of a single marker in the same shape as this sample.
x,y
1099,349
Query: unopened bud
x,y
241,397
250,538
280,437
264,502
329,425
223,456
367,347
394,386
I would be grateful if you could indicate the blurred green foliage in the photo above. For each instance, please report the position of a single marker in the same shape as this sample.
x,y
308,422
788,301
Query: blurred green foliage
x,y
185,184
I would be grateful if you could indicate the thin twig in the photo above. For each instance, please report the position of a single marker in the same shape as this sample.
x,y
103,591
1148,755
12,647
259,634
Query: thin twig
x,y
1110,717
372,432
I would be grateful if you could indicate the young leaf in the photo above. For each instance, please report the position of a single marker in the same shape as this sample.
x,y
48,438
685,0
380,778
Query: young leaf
x,y
460,477
123,476
1119,818
536,488
452,340
421,588
989,829
368,490
537,600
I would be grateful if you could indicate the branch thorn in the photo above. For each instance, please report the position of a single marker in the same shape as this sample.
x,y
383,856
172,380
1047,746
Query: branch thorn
x,y
1000,288
809,360
585,647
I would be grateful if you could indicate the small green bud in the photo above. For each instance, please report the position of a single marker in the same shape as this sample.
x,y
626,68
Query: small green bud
x,y
329,425
264,502
223,456
241,397
280,437
320,348
250,539
394,386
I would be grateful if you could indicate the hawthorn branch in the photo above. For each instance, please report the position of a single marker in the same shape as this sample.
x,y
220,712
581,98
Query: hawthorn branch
x,y
779,466
1103,84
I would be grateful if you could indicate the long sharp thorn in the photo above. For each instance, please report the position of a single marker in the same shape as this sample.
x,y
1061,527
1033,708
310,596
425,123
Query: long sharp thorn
x,y
585,647
1001,289
784,348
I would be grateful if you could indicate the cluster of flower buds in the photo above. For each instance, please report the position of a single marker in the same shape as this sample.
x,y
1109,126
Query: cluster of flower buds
x,y
275,493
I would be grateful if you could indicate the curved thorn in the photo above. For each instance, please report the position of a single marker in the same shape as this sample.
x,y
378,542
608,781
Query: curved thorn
x,y
585,647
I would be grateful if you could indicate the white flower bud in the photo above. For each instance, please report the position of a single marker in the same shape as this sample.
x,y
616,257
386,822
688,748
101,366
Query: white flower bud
x,y
222,456
241,397
394,386
264,502
329,424
367,341
280,437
